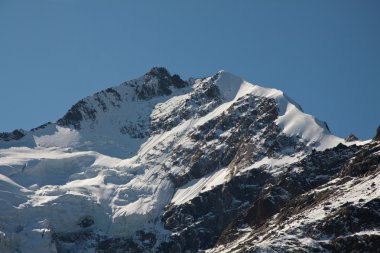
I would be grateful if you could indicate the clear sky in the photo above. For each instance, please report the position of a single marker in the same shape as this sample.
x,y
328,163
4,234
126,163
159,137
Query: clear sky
x,y
325,54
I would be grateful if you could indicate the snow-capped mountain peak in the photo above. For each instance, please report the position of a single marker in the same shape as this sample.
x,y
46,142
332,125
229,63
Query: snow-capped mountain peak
x,y
137,166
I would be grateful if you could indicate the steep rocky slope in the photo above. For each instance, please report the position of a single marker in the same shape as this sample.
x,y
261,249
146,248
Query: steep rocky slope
x,y
159,164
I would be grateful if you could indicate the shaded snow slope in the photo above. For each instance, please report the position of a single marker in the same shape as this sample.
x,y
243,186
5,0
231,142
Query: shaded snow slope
x,y
117,159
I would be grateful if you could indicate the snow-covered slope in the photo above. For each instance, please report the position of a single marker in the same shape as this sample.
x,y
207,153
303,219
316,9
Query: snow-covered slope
x,y
122,167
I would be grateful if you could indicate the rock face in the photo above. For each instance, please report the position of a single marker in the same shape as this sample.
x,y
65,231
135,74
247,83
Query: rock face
x,y
15,135
215,164
351,137
320,201
377,136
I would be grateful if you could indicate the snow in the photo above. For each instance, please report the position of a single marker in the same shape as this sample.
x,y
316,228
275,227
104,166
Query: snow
x,y
293,120
229,85
273,165
12,194
63,137
350,191
197,186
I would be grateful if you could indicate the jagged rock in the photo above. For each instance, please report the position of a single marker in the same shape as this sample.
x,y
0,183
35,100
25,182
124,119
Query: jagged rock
x,y
76,114
354,243
377,136
15,135
314,170
157,82
351,137
365,161
343,220
86,221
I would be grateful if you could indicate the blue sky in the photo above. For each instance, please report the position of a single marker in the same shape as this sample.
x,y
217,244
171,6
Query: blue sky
x,y
325,54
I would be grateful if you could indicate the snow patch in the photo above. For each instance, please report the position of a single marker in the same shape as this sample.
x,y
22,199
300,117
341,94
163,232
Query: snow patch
x,y
197,186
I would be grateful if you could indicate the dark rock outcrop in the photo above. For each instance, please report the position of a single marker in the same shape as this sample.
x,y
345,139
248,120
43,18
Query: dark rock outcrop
x,y
157,82
15,135
377,136
76,114
351,137
198,224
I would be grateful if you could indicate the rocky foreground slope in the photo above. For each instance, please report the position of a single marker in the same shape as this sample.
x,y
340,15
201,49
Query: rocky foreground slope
x,y
216,164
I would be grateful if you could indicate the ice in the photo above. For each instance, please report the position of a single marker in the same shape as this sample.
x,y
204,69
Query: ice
x,y
197,186
63,137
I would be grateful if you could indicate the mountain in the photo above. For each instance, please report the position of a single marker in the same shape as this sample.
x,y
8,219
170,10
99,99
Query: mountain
x,y
216,164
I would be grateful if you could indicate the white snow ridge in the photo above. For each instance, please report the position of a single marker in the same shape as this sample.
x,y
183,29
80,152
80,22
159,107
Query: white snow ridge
x,y
122,169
